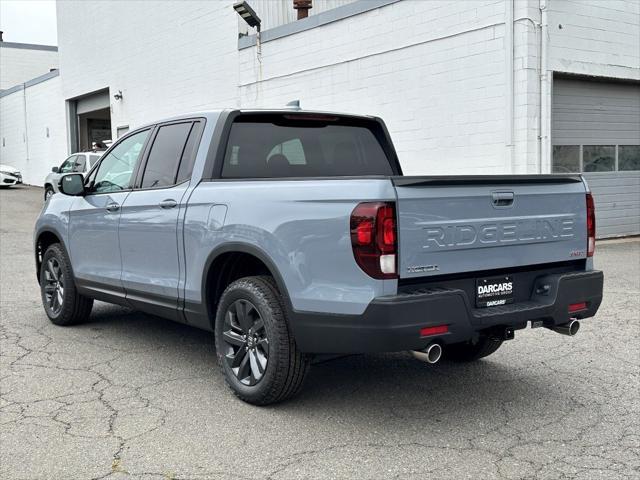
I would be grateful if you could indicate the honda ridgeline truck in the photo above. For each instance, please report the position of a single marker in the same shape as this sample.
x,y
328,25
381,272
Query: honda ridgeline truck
x,y
291,233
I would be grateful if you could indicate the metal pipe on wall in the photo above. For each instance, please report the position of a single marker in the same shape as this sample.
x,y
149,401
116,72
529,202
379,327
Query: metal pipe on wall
x,y
509,113
544,116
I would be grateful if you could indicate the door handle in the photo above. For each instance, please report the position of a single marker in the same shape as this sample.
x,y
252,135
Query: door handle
x,y
113,207
168,203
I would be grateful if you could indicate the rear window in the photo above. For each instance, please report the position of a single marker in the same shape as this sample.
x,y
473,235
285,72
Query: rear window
x,y
274,147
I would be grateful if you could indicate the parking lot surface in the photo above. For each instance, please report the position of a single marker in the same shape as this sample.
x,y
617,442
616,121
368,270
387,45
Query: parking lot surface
x,y
128,395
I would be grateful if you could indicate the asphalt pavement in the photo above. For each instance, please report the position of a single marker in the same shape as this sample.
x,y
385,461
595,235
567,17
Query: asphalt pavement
x,y
130,396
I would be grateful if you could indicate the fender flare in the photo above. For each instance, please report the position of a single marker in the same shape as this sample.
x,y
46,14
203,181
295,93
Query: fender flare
x,y
35,247
250,249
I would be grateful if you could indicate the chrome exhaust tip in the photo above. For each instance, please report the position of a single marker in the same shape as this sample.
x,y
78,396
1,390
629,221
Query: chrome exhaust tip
x,y
569,329
431,354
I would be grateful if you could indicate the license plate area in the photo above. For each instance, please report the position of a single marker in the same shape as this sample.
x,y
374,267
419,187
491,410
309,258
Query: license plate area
x,y
494,291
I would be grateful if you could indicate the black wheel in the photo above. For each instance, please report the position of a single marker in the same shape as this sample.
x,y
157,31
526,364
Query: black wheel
x,y
256,350
62,303
470,351
48,191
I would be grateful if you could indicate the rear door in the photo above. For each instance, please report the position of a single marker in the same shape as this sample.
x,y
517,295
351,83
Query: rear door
x,y
459,224
148,229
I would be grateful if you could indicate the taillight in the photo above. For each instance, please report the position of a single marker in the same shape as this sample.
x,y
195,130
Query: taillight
x,y
373,238
591,226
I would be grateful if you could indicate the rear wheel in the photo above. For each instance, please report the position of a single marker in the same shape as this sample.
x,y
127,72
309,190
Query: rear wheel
x,y
256,350
470,351
60,298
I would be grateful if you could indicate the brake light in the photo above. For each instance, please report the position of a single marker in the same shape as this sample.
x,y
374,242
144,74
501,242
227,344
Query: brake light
x,y
591,226
373,238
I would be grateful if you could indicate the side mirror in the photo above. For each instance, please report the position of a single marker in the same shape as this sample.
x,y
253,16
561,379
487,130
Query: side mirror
x,y
54,169
72,184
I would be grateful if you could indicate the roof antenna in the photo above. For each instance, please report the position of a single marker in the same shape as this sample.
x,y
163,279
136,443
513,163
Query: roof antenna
x,y
294,105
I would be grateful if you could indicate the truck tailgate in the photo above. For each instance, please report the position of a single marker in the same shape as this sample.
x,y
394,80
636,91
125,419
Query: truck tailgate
x,y
452,225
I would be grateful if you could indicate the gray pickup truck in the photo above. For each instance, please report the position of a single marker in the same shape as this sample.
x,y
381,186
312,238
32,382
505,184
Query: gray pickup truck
x,y
292,233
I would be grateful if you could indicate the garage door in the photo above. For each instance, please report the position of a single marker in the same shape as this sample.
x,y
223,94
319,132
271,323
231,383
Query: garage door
x,y
596,130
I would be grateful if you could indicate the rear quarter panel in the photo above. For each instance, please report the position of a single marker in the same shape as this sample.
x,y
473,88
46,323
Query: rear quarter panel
x,y
302,226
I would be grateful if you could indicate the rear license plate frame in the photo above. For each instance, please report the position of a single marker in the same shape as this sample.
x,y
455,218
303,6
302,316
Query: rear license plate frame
x,y
494,291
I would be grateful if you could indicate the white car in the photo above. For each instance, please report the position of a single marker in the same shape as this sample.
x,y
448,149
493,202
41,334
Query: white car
x,y
9,176
80,162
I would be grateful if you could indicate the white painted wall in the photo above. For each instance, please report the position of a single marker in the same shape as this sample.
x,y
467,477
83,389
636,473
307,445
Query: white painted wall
x,y
17,65
595,37
165,57
436,71
45,110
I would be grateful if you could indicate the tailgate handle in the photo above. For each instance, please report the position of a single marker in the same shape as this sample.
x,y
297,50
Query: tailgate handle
x,y
502,199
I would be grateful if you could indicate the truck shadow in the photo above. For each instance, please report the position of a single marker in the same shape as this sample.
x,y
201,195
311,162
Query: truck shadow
x,y
385,388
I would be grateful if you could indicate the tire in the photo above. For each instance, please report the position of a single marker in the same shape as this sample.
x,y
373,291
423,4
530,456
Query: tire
x,y
61,301
48,191
469,351
271,369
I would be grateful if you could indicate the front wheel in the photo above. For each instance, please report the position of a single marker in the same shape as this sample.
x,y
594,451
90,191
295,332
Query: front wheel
x,y
256,351
60,298
471,351
48,192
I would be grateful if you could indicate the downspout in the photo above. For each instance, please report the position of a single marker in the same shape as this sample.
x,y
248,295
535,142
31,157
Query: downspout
x,y
26,134
509,111
543,112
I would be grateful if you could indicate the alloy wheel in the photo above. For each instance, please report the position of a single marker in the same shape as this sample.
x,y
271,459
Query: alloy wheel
x,y
54,286
245,342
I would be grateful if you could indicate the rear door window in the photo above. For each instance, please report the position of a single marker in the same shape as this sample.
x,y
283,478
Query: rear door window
x,y
276,146
165,154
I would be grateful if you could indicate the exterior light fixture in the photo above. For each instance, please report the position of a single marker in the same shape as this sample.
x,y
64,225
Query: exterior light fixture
x,y
118,96
248,14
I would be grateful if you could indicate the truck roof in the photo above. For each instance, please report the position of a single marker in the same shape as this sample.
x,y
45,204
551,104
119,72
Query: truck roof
x,y
214,114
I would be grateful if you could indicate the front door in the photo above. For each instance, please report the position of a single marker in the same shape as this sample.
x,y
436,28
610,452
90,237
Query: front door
x,y
94,218
148,231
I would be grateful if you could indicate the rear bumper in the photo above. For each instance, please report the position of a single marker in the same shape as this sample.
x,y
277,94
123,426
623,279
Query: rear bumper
x,y
393,323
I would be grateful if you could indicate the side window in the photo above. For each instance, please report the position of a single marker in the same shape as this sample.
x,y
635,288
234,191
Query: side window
x,y
189,155
80,163
165,155
68,165
116,168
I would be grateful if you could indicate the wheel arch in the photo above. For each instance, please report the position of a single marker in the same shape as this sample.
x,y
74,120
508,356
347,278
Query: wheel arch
x,y
232,261
44,239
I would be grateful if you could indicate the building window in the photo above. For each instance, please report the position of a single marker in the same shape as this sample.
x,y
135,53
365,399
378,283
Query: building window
x,y
566,159
629,157
598,158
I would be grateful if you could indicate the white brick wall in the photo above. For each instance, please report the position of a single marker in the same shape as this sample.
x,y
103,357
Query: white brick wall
x,y
45,129
13,146
598,37
435,70
17,65
165,57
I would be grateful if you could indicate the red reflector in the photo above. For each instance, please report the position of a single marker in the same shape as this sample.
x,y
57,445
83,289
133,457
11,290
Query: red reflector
x,y
576,307
437,330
